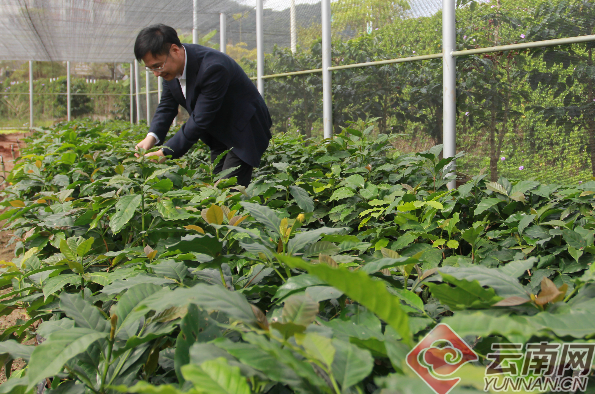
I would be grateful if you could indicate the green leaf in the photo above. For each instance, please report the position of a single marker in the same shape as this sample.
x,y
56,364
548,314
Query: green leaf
x,y
465,295
525,222
488,323
49,358
119,180
486,204
303,239
171,269
120,285
102,278
201,352
15,385
504,285
317,346
518,267
52,284
574,323
16,350
355,181
297,283
360,287
209,297
196,326
381,264
84,314
321,247
434,204
66,251
264,215
574,239
299,309
143,387
302,197
198,243
168,211
85,247
341,193
125,210
164,185
472,234
277,363
351,364
287,357
216,377
69,158
130,300
496,187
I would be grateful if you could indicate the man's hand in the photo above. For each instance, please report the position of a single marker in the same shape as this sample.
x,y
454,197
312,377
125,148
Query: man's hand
x,y
159,154
146,144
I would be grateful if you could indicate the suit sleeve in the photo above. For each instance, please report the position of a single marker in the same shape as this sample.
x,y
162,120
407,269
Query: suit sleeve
x,y
213,89
165,114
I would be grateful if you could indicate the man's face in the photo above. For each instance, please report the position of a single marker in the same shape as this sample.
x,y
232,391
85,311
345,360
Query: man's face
x,y
166,66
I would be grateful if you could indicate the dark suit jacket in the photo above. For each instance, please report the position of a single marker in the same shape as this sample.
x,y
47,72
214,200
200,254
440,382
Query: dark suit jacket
x,y
224,106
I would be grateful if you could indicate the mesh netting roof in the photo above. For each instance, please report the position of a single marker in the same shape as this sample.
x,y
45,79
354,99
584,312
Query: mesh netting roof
x,y
93,30
104,30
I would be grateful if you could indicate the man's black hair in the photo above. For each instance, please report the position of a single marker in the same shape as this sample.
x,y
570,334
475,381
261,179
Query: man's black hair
x,y
156,40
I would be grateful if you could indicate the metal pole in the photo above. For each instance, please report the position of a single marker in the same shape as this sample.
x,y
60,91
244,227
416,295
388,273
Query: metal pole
x,y
148,96
131,93
68,95
259,48
449,75
222,33
293,27
159,82
30,93
327,93
137,90
195,22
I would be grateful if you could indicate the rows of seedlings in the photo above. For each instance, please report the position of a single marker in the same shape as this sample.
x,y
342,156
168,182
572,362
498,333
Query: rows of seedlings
x,y
320,277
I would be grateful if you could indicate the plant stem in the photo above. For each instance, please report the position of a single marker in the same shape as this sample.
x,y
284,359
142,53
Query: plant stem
x,y
108,358
143,215
222,277
125,358
334,382
279,273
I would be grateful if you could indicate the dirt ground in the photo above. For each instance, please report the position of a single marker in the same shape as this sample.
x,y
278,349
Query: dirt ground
x,y
7,252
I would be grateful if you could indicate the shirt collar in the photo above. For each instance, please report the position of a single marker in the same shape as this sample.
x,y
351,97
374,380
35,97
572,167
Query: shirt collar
x,y
183,76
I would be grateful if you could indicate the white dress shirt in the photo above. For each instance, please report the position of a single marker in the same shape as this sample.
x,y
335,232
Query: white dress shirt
x,y
182,80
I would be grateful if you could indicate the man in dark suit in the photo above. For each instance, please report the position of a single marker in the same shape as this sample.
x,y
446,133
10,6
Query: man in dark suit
x,y
226,110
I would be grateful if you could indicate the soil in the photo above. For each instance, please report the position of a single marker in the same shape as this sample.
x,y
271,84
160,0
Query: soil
x,y
7,252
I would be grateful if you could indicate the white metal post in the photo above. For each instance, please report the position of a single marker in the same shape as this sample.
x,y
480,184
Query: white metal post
x,y
195,22
159,83
222,33
148,97
449,75
327,93
131,93
68,95
30,93
259,49
293,27
137,91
